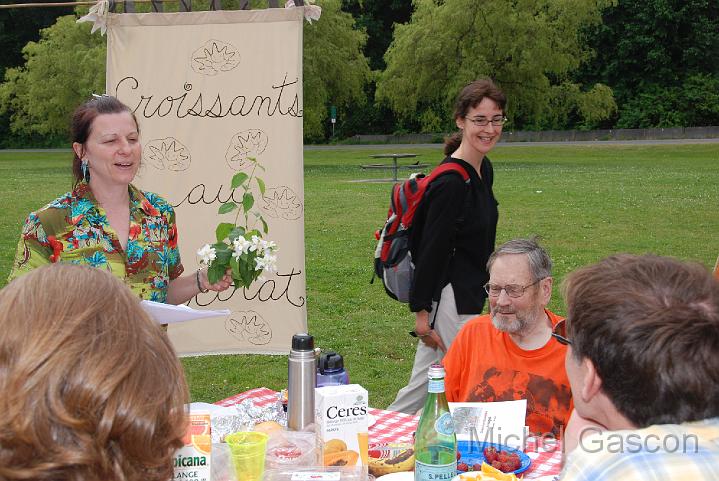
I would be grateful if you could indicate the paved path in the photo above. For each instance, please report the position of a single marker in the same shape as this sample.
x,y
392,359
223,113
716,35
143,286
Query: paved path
x,y
396,147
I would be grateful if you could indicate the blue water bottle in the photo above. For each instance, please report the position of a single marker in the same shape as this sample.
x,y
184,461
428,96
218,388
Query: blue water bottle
x,y
331,370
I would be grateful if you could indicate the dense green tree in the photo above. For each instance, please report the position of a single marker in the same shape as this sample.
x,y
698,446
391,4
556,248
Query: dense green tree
x,y
335,69
530,47
65,66
68,63
19,26
377,18
661,58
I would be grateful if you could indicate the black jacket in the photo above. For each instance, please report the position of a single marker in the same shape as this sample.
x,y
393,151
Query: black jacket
x,y
453,235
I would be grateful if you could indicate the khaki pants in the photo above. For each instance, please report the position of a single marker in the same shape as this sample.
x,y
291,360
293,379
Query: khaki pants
x,y
410,398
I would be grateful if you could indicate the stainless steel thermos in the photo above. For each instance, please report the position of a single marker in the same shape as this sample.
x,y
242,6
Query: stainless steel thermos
x,y
301,378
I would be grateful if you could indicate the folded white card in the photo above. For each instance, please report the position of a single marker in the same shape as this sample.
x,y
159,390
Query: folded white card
x,y
493,422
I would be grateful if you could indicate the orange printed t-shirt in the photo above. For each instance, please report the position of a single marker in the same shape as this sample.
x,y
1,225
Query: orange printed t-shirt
x,y
483,364
716,269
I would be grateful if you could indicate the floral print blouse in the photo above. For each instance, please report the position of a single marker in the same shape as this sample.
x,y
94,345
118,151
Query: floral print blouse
x,y
74,229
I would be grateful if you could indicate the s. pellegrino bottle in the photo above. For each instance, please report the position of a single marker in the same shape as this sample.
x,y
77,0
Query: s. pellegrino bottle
x,y
435,444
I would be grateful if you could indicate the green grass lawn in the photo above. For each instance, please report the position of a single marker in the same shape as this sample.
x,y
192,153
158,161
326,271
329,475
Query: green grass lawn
x,y
585,202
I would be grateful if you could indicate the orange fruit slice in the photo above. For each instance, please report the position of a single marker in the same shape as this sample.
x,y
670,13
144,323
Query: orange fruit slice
x,y
497,474
203,443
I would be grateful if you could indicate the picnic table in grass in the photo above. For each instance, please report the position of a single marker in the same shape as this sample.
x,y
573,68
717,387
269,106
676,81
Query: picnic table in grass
x,y
394,166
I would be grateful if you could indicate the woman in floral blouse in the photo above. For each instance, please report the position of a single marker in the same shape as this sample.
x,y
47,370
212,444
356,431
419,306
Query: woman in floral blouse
x,y
106,222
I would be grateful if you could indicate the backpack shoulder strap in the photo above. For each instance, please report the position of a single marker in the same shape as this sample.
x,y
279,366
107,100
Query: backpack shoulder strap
x,y
448,167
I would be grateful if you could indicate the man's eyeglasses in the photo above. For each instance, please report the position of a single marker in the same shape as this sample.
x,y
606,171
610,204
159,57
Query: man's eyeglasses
x,y
497,121
512,290
560,333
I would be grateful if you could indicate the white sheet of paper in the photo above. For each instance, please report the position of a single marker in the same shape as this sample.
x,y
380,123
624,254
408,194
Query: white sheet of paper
x,y
493,422
169,314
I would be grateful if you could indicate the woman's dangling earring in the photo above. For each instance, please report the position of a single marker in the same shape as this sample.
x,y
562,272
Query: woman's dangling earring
x,y
85,168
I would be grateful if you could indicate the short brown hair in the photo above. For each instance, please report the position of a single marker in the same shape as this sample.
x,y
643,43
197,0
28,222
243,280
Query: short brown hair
x,y
91,387
470,97
650,326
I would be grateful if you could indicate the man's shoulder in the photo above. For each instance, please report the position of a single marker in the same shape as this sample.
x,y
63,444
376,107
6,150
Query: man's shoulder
x,y
672,451
474,332
554,318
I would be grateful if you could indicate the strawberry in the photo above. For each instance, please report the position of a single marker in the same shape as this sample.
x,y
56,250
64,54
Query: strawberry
x,y
503,457
459,455
476,467
490,454
462,467
497,464
505,467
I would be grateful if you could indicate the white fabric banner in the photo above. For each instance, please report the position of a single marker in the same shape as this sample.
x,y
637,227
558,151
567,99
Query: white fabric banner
x,y
209,90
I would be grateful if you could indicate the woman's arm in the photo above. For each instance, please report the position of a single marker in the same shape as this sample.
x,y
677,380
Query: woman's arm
x,y
425,333
432,246
182,289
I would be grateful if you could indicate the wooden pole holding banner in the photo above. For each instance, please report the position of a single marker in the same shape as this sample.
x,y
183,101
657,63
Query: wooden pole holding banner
x,y
129,5
60,4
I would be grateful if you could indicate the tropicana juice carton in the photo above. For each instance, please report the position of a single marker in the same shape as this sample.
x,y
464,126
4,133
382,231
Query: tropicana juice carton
x,y
192,461
341,421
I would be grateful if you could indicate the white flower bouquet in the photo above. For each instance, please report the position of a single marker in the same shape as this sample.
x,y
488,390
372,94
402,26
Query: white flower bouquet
x,y
239,248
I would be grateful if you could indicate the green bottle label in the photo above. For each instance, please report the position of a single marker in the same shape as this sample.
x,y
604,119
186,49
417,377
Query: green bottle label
x,y
436,385
444,424
434,472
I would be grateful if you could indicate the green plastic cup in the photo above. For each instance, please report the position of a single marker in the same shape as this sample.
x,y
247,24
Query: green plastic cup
x,y
247,449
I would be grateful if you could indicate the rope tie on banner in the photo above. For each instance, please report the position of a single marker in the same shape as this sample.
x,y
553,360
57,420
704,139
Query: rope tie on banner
x,y
98,16
312,12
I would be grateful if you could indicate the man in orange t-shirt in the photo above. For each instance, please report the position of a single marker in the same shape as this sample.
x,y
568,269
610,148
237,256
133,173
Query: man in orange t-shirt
x,y
509,354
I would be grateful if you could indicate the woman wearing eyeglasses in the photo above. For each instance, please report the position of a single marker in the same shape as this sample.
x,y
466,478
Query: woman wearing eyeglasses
x,y
453,236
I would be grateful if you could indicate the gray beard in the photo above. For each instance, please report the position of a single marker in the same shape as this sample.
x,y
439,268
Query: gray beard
x,y
517,326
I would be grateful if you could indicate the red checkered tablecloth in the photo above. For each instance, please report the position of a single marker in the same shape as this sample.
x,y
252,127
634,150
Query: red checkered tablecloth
x,y
391,426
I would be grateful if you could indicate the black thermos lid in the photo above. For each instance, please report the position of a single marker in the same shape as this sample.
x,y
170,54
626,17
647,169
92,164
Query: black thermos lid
x,y
303,342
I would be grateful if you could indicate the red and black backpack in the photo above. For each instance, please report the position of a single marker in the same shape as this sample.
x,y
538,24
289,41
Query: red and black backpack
x,y
393,259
